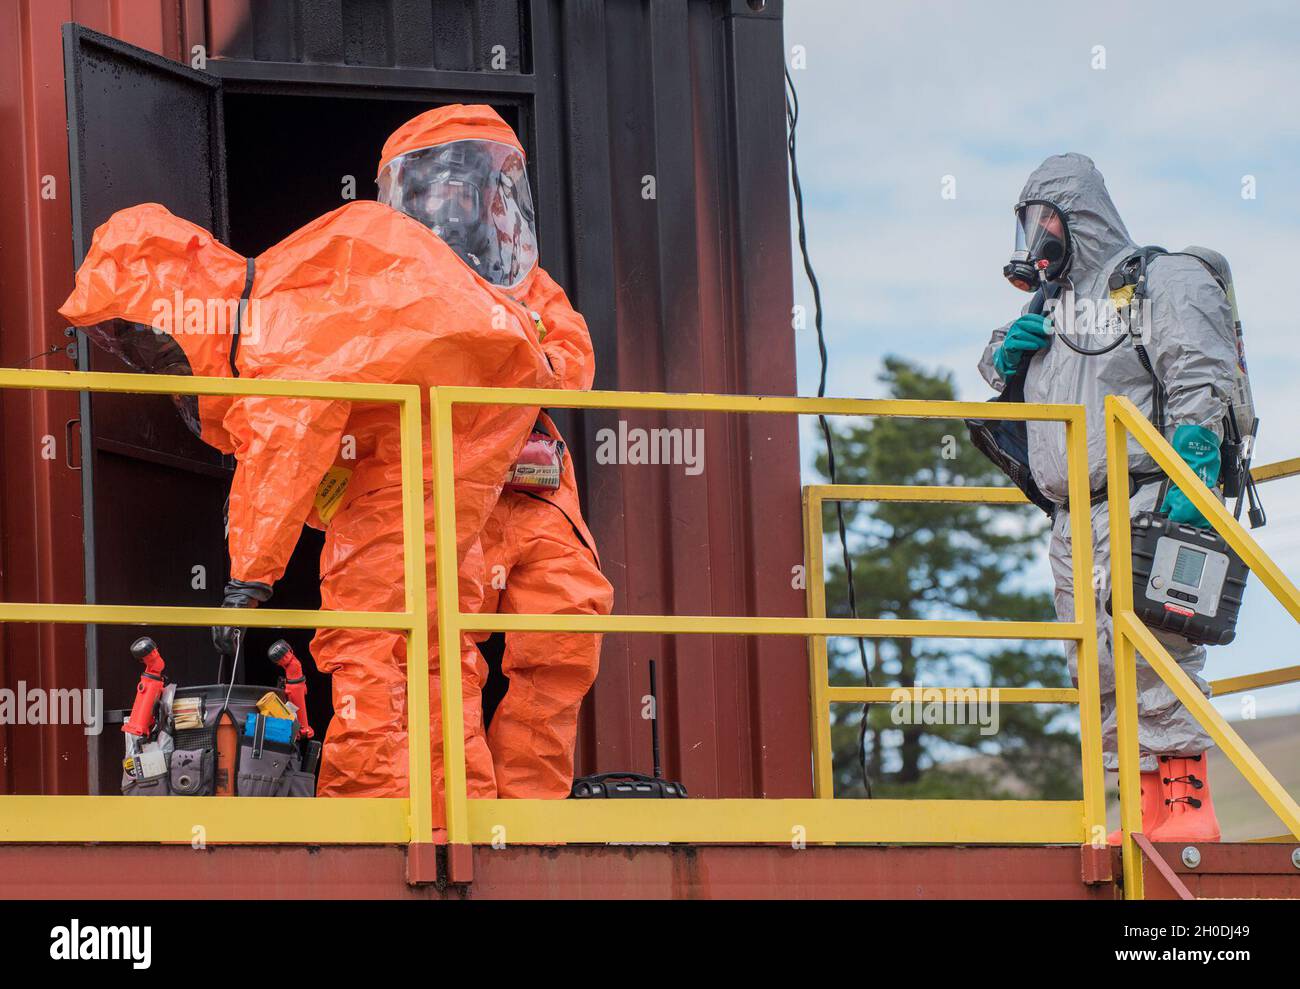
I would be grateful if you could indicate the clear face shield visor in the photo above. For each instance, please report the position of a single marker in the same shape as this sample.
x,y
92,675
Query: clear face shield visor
x,y
474,196
1042,245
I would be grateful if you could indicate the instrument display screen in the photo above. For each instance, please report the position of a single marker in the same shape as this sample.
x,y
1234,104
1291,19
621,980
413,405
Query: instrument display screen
x,y
1189,566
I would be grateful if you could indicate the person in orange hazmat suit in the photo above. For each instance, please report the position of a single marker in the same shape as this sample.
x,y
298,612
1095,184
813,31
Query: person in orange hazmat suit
x,y
365,294
540,556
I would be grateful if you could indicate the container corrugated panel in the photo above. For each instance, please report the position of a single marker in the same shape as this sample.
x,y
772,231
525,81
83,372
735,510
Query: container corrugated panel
x,y
688,289
41,549
456,35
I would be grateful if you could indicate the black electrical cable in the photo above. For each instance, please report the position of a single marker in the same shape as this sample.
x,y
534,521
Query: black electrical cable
x,y
792,120
54,349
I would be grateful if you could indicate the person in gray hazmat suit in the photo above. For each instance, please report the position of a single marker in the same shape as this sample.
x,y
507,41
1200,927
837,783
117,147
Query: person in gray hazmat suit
x,y
1071,238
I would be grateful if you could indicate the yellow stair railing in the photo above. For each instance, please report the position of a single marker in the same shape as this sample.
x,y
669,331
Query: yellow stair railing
x,y
1124,420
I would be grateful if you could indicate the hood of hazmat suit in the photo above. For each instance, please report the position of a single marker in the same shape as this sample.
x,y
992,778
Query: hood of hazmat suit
x,y
477,132
1186,329
460,171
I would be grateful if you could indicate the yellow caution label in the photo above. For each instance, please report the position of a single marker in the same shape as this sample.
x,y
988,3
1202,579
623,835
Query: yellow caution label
x,y
329,493
1121,297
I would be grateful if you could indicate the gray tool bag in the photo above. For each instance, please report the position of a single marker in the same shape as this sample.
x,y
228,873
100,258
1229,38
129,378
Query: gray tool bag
x,y
181,759
265,767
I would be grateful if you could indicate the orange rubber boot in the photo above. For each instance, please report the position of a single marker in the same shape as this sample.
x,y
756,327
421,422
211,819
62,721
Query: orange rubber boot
x,y
1154,810
1187,795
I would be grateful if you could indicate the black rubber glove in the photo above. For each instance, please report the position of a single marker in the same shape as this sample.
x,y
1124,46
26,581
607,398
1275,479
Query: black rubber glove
x,y
239,594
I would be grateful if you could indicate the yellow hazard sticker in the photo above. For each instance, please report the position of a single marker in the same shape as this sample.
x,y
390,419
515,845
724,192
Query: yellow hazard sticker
x,y
329,493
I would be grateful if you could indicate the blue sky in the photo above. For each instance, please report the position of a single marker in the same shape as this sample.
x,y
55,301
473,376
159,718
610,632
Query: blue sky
x,y
1193,97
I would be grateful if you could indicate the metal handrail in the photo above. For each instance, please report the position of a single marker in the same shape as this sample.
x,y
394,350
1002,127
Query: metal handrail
x,y
473,821
1083,633
40,818
71,818
1124,420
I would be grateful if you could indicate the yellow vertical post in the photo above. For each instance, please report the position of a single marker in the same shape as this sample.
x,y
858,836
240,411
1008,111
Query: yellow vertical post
x,y
1121,598
421,866
449,635
818,665
1085,613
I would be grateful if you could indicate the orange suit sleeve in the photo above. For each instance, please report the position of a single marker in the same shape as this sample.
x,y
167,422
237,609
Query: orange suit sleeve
x,y
284,447
566,341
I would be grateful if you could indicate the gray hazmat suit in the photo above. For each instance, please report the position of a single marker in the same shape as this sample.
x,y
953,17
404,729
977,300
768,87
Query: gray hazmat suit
x,y
1188,333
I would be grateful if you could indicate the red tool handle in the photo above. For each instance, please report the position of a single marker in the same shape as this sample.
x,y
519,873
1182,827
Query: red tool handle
x,y
147,690
295,684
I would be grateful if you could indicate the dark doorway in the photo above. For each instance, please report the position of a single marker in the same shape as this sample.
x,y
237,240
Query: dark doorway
x,y
494,689
294,158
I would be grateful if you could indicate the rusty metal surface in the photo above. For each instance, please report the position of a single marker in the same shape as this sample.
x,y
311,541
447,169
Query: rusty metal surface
x,y
626,872
1228,871
1169,880
40,497
629,872
686,290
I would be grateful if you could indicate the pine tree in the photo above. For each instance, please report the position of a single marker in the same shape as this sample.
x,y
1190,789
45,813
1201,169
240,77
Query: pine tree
x,y
917,560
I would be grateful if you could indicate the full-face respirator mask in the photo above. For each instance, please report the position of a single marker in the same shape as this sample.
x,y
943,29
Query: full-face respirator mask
x,y
1042,252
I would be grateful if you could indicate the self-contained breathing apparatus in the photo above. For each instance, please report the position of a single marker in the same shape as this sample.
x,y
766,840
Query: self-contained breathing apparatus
x,y
1186,580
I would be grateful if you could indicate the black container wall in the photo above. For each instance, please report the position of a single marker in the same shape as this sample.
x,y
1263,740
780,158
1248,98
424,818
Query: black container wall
x,y
655,131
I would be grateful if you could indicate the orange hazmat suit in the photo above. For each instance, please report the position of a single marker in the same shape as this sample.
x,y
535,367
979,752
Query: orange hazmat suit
x,y
540,556
366,294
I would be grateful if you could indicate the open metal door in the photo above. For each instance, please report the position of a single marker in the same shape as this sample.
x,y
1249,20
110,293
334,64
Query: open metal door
x,y
142,128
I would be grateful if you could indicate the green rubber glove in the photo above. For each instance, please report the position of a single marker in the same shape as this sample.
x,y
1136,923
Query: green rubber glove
x,y
1199,448
1025,336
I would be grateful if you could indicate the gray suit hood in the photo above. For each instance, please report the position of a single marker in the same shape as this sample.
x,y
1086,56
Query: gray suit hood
x,y
1072,184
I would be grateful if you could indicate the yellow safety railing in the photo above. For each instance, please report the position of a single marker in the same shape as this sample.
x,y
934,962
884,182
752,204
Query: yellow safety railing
x,y
474,821
409,820
1124,420
26,818
824,695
